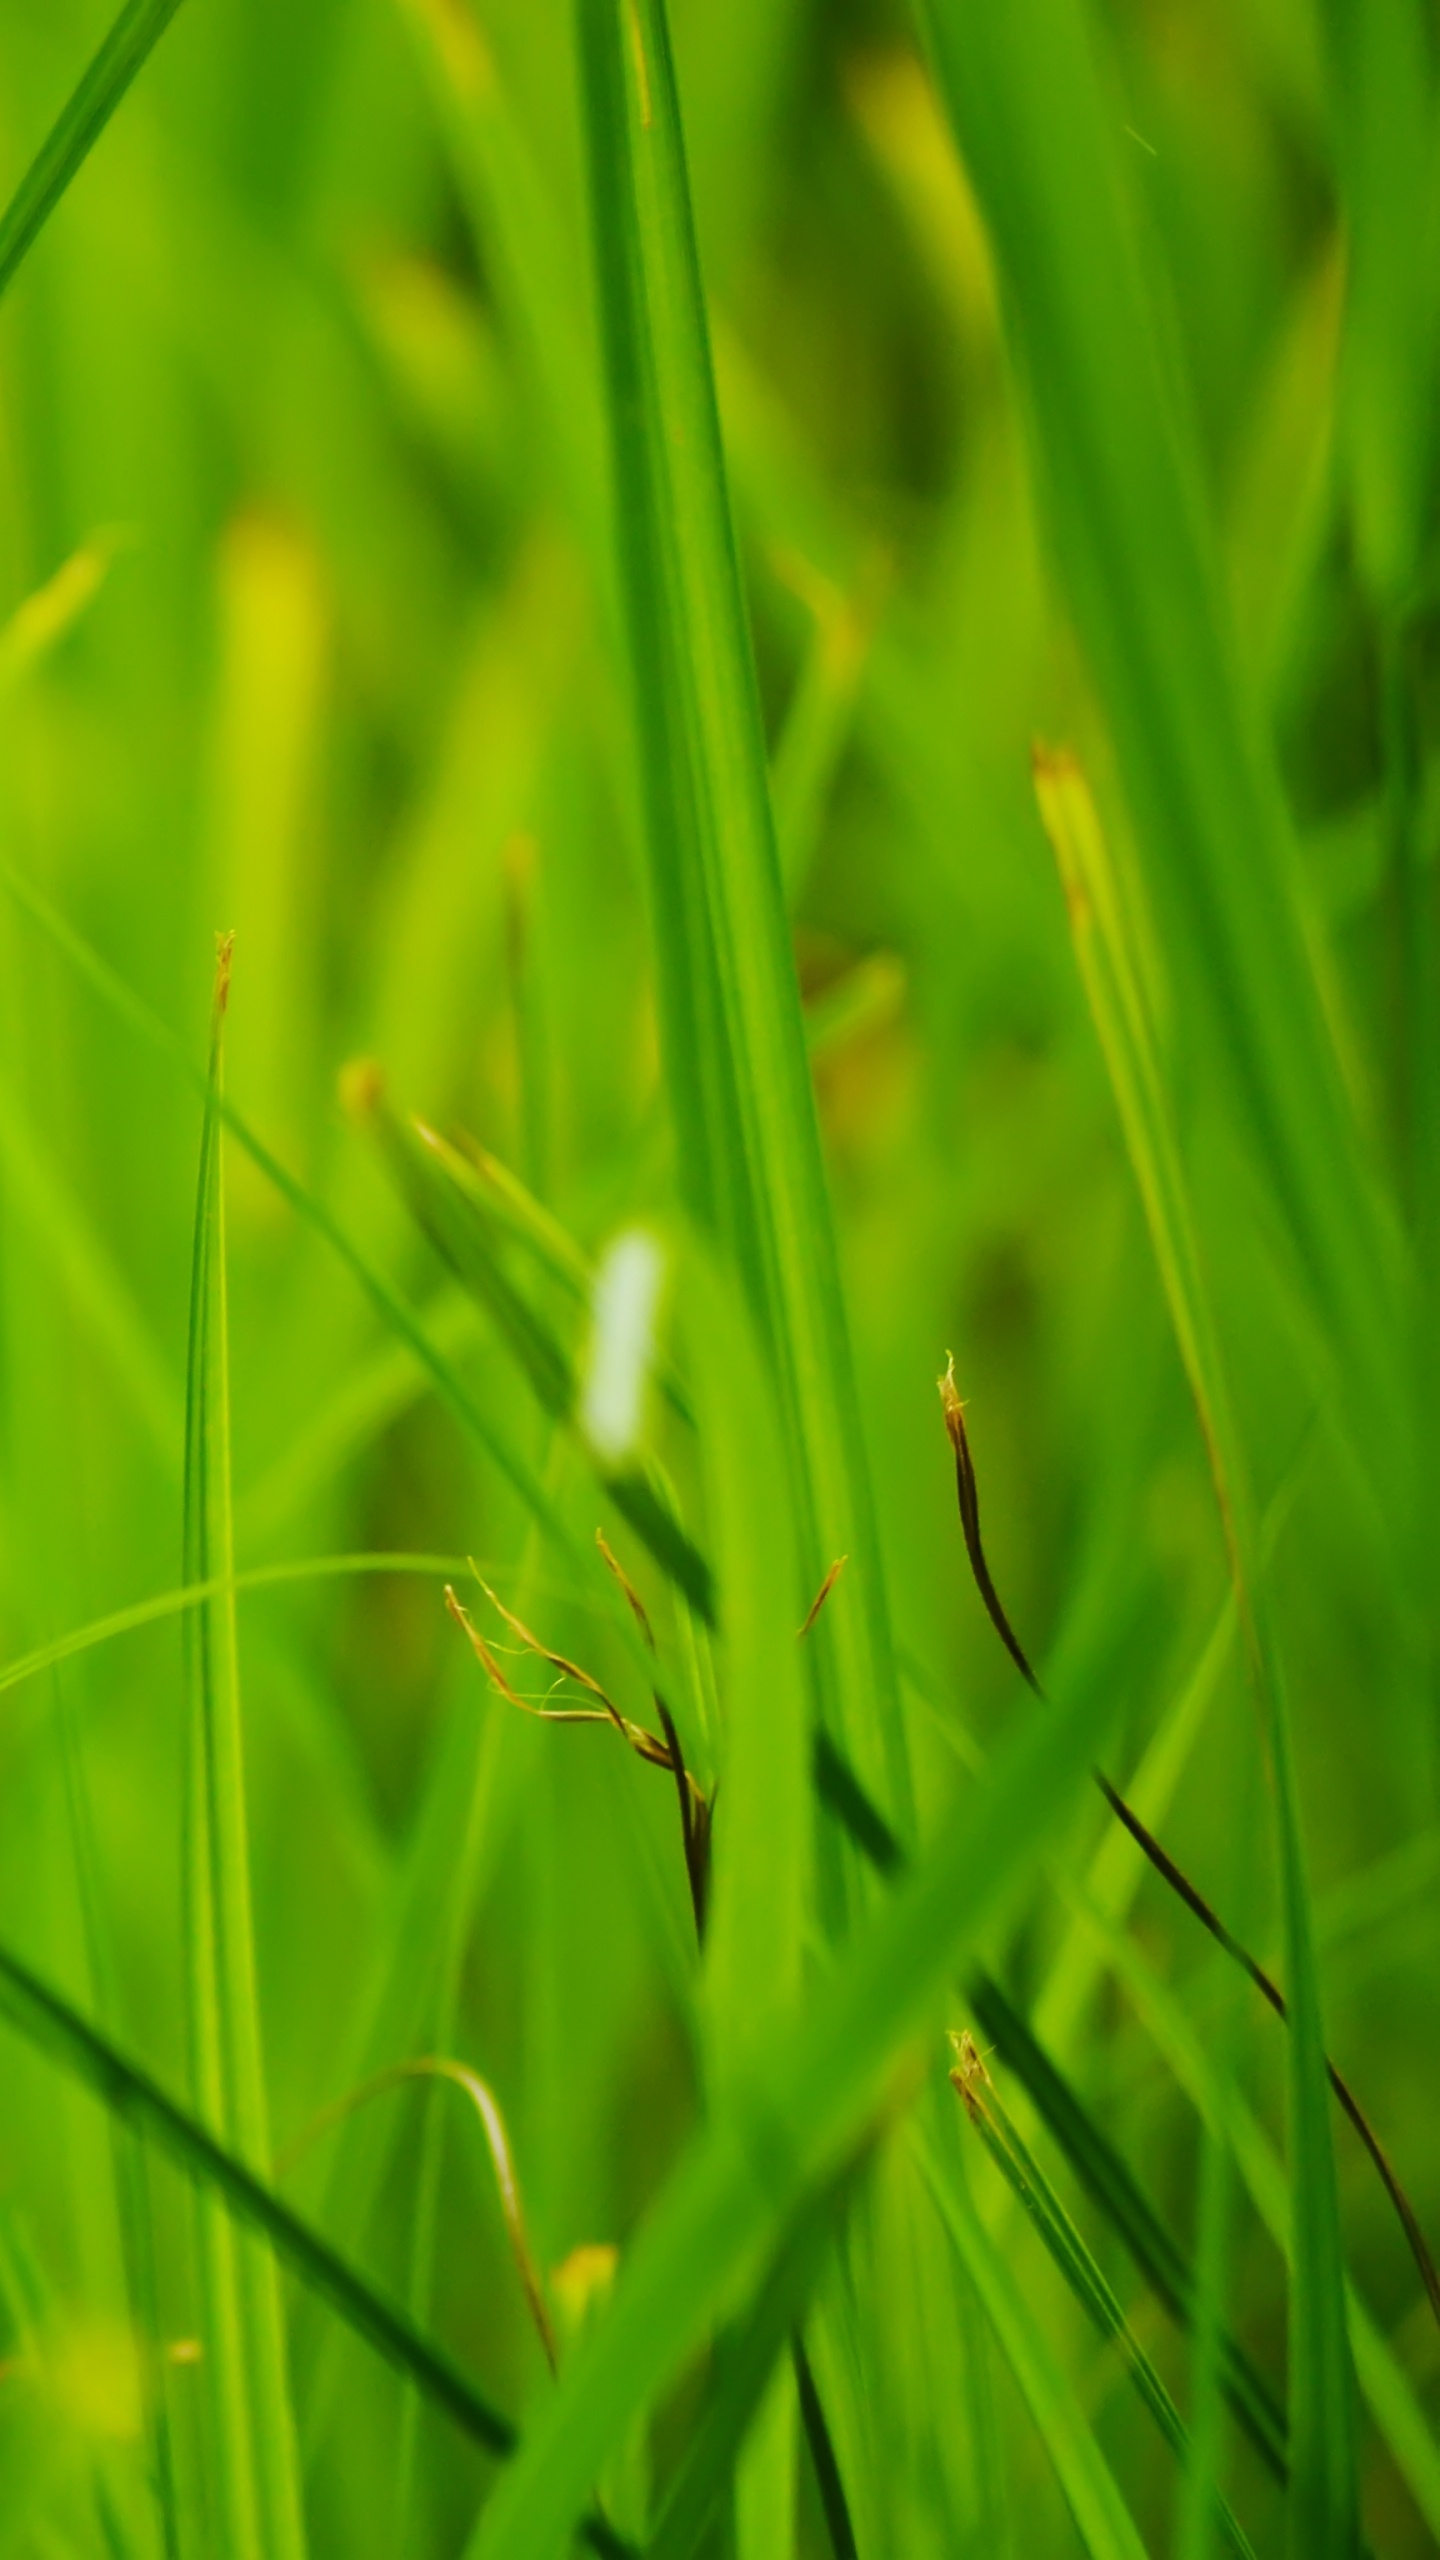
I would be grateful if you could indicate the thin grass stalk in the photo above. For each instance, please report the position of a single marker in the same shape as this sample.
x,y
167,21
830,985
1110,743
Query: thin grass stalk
x,y
252,2431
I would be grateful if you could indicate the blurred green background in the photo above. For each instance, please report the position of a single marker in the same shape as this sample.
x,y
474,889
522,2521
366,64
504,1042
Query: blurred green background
x,y
334,668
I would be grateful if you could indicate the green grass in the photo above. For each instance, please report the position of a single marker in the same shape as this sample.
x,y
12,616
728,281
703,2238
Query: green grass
x,y
561,526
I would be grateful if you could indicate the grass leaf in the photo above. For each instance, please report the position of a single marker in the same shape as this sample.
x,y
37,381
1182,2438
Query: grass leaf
x,y
78,127
252,2438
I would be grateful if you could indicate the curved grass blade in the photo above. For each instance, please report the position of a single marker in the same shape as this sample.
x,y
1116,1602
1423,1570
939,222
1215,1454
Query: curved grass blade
x,y
46,2020
497,2142
252,2437
799,2111
191,1595
78,127
1158,1856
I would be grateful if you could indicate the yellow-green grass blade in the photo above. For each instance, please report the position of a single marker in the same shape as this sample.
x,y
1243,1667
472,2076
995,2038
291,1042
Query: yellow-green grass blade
x,y
42,619
789,2127
79,125
1323,2509
736,1068
1121,485
251,2439
1102,2518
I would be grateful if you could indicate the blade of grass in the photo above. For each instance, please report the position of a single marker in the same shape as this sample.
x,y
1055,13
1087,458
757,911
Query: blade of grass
x,y
252,2428
746,2358
790,2124
1092,2156
1323,2514
88,1274
1102,2518
1024,91
79,125
1022,2172
450,1209
394,1313
1188,2055
732,1028
759,1897
47,2021
134,2211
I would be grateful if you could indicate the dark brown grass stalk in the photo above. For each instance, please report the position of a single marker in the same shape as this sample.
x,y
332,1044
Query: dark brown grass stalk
x,y
968,1497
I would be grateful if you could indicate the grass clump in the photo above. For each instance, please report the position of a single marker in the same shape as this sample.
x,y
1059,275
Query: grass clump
x,y
559,533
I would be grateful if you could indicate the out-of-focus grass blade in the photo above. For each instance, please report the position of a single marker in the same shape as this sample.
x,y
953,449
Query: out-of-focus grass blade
x,y
191,1595
1023,2174
1104,2522
1386,114
89,1276
43,618
818,719
733,1033
252,2439
517,224
79,125
746,2357
1324,2492
788,2126
47,2021
134,2211
399,1319
1122,485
